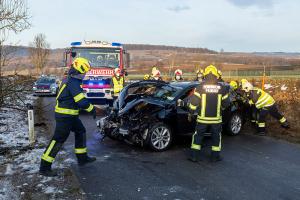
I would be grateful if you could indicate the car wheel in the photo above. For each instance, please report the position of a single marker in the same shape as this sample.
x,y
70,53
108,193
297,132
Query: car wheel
x,y
160,137
234,124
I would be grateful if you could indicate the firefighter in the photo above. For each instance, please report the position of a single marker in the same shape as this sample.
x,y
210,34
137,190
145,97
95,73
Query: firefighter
x,y
68,101
264,103
146,77
156,75
178,75
199,75
210,97
117,83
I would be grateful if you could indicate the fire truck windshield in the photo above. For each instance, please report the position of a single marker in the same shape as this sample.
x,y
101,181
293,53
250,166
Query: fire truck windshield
x,y
100,57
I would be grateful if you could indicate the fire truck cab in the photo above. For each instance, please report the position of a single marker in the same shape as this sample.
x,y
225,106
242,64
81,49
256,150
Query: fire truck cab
x,y
104,57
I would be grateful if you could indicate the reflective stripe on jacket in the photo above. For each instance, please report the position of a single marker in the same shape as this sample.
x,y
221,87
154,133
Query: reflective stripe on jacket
x,y
70,98
210,98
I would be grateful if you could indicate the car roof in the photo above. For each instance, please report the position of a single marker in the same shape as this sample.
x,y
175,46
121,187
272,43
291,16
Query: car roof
x,y
184,84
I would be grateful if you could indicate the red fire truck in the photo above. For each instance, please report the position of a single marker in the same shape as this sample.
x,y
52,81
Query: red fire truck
x,y
104,58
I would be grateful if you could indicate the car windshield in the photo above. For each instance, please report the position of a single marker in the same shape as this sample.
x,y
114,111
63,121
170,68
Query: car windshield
x,y
45,80
100,57
162,92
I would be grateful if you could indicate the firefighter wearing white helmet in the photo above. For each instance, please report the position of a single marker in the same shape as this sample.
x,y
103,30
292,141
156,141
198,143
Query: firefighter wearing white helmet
x,y
264,103
178,75
117,82
156,75
209,97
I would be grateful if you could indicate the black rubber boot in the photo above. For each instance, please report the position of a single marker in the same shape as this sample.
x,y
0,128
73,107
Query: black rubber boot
x,y
45,169
285,125
84,159
215,156
193,155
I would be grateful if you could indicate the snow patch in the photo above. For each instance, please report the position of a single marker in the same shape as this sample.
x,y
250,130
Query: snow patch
x,y
49,190
9,170
7,191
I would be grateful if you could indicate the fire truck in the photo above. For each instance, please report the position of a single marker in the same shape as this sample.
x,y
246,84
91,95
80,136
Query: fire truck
x,y
104,57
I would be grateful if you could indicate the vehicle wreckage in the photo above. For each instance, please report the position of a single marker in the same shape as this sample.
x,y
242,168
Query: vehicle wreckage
x,y
149,113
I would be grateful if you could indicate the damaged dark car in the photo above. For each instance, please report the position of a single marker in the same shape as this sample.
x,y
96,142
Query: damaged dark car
x,y
148,113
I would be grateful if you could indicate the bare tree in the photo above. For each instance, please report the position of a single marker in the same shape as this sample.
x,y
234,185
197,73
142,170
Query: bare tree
x,y
14,17
39,52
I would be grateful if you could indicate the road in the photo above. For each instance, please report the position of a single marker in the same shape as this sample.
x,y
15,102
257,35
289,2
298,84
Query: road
x,y
254,167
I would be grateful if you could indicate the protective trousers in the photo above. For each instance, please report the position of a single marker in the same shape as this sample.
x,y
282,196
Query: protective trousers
x,y
201,129
62,131
262,114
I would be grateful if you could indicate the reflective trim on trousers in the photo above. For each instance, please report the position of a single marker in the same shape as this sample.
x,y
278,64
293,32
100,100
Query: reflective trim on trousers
x,y
46,156
218,148
80,150
261,125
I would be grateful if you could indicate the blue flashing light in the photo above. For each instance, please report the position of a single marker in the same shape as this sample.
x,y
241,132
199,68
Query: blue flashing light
x,y
90,84
100,84
115,44
75,43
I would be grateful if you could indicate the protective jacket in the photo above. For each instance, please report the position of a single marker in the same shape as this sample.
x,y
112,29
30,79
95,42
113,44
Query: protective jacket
x,y
210,97
118,84
260,98
70,97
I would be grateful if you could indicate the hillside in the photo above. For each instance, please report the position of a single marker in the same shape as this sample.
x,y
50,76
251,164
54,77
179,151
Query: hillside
x,y
143,56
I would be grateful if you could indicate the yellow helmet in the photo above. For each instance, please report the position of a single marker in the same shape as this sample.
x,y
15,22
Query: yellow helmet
x,y
146,77
211,70
246,86
233,84
82,65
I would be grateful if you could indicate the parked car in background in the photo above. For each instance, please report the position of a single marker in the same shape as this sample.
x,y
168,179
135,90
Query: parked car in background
x,y
148,113
46,85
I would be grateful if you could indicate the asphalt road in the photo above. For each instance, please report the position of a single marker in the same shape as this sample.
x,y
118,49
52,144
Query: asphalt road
x,y
254,167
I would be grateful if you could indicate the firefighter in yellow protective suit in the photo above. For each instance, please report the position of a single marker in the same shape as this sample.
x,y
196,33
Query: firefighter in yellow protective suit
x,y
117,83
69,100
264,103
210,97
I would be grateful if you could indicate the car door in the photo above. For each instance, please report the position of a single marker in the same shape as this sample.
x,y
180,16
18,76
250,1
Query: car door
x,y
185,127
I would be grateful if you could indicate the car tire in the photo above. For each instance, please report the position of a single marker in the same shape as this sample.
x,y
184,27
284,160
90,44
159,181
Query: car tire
x,y
234,124
160,137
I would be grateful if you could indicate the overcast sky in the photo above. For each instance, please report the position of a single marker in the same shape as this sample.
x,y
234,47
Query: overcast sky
x,y
234,25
